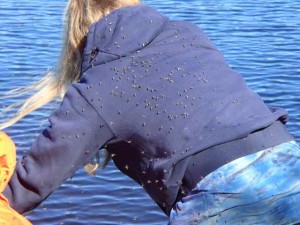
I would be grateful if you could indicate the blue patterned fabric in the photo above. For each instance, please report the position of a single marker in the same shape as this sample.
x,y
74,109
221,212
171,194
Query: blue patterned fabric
x,y
261,188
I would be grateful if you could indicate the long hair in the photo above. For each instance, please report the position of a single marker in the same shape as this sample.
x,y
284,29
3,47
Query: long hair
x,y
79,15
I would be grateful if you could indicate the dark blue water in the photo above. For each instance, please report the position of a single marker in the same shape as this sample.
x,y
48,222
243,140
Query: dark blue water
x,y
260,39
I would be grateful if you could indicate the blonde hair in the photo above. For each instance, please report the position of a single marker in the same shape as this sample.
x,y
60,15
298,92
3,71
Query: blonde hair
x,y
79,15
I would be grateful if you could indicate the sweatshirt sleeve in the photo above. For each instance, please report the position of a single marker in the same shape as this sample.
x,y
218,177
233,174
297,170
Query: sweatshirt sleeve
x,y
74,135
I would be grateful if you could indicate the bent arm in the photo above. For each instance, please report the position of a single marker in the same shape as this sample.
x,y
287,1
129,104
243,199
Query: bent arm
x,y
75,134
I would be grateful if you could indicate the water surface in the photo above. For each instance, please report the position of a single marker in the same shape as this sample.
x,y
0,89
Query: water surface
x,y
260,39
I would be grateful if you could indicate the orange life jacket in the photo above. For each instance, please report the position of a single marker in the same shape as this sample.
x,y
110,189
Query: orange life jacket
x,y
8,216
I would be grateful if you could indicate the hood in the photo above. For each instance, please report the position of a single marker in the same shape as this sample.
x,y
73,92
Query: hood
x,y
121,33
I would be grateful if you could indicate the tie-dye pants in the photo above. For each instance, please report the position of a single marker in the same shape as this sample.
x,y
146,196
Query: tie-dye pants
x,y
261,188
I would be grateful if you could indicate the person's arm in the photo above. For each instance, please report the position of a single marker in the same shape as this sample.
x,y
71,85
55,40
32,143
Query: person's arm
x,y
75,134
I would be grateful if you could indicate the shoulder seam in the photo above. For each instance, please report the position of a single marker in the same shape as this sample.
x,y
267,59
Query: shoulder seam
x,y
106,124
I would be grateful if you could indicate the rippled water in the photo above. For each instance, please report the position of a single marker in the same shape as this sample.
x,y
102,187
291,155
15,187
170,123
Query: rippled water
x,y
260,39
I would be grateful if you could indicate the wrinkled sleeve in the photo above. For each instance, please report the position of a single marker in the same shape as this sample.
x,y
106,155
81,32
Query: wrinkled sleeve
x,y
74,135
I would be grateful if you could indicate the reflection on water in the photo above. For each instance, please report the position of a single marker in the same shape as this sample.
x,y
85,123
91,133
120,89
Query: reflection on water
x,y
258,38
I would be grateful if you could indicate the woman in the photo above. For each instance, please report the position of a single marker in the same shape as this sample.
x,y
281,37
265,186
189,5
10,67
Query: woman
x,y
170,112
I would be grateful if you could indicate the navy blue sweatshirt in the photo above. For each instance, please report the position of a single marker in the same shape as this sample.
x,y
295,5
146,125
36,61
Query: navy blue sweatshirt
x,y
155,93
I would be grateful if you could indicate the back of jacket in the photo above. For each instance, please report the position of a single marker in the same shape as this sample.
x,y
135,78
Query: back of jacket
x,y
166,93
